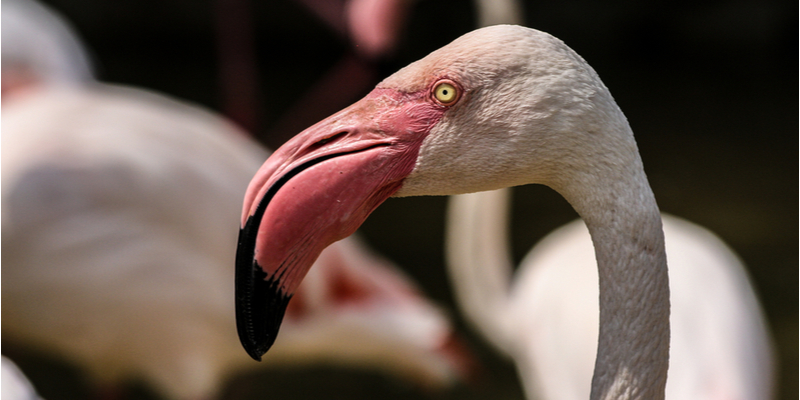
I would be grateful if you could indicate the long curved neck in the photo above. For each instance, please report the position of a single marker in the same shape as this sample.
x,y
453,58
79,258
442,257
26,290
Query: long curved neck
x,y
620,211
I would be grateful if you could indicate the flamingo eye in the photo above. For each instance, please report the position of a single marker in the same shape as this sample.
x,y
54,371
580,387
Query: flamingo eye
x,y
445,93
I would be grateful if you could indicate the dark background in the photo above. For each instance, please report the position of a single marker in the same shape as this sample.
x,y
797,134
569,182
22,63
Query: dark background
x,y
709,87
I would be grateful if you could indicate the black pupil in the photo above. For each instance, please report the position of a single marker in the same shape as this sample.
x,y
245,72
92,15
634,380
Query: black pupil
x,y
444,92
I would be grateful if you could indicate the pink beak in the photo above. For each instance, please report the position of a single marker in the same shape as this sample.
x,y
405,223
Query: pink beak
x,y
316,189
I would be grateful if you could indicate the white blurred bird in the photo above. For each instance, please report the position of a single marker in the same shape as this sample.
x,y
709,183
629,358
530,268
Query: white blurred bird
x,y
119,230
545,316
119,248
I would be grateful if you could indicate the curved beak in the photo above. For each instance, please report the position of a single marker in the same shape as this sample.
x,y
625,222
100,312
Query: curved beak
x,y
316,189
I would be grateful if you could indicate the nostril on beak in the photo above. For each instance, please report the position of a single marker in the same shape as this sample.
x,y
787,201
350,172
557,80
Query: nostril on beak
x,y
326,140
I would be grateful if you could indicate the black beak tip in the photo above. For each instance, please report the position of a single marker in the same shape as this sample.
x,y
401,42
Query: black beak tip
x,y
254,349
259,316
260,301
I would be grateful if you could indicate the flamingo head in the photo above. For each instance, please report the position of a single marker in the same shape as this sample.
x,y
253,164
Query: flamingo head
x,y
453,122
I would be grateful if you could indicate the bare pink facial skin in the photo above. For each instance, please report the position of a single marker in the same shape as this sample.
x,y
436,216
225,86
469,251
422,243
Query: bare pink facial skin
x,y
372,145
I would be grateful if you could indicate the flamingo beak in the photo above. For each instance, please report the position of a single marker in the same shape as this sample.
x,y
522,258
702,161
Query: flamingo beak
x,y
316,189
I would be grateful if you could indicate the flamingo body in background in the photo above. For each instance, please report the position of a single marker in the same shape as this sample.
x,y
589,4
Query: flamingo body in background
x,y
546,317
118,249
498,107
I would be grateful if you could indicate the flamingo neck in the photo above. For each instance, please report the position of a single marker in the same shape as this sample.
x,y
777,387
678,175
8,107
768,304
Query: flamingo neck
x,y
625,224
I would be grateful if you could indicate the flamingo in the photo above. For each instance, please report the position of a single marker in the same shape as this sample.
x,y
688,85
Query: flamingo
x,y
546,317
498,107
117,205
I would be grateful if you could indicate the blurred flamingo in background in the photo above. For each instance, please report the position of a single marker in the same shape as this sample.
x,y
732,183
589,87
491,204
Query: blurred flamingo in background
x,y
544,316
118,245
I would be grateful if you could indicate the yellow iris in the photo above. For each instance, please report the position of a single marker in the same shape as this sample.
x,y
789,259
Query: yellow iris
x,y
445,93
